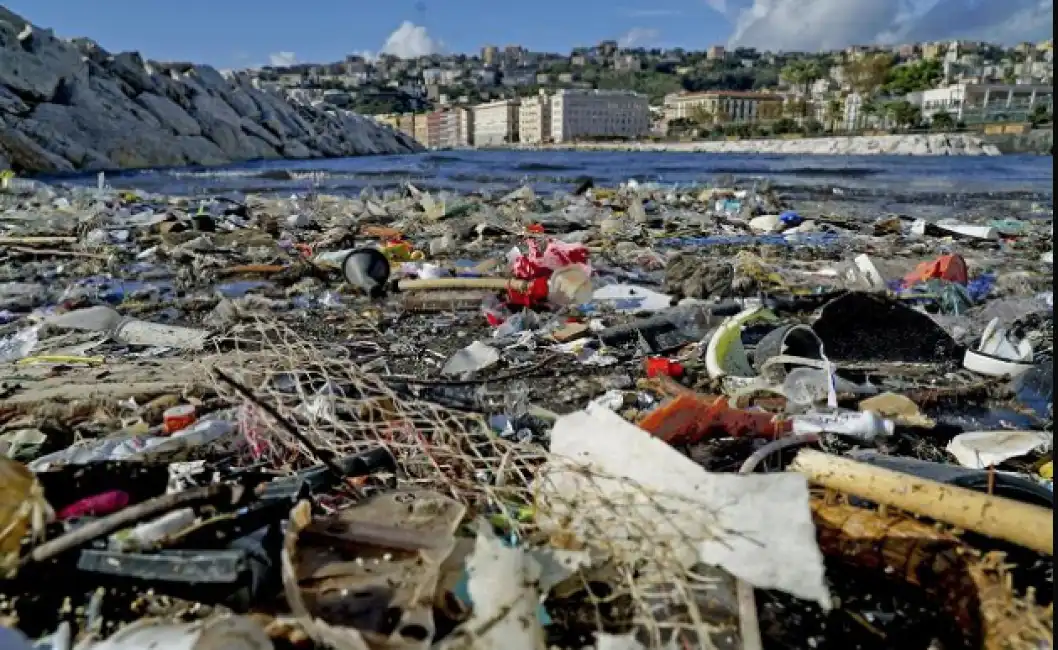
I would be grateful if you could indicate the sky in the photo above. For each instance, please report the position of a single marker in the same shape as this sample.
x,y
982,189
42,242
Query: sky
x,y
248,33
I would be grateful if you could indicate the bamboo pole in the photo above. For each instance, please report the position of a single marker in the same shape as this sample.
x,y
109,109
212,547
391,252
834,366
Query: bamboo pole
x,y
1012,521
36,241
462,283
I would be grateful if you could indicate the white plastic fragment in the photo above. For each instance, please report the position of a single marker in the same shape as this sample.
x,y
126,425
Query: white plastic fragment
x,y
19,345
475,357
757,527
604,641
980,449
503,585
222,633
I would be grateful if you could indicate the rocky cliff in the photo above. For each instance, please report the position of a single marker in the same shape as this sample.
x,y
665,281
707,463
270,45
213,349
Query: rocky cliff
x,y
71,105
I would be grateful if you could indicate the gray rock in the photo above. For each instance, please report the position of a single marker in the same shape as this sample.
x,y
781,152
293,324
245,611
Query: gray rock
x,y
170,114
294,149
11,104
67,105
129,67
25,154
200,151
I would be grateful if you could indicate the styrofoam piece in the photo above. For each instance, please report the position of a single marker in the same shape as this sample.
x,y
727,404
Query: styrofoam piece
x,y
981,449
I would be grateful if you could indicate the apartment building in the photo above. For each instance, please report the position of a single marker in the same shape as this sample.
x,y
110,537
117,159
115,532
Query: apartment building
x,y
422,128
457,128
579,114
716,53
724,106
977,103
534,119
433,129
496,123
406,124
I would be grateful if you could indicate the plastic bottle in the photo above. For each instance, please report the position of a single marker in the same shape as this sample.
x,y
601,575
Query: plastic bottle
x,y
151,532
862,425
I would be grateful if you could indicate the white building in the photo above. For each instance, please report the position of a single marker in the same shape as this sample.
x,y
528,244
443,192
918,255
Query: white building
x,y
457,128
496,123
976,103
577,114
534,119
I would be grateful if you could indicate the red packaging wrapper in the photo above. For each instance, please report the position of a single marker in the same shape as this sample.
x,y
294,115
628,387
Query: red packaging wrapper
x,y
95,506
657,366
536,295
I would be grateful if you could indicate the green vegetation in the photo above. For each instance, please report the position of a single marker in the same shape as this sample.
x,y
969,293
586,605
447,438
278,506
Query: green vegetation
x,y
650,83
942,121
904,113
380,104
1041,116
913,77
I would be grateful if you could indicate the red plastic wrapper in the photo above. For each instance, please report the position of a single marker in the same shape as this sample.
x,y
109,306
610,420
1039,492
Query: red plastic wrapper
x,y
557,255
660,366
535,296
95,506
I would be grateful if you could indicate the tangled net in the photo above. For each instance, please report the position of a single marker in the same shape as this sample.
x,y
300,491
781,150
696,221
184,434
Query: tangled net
x,y
643,585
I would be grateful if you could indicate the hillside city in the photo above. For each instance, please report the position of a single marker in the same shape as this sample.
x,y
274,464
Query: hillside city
x,y
509,95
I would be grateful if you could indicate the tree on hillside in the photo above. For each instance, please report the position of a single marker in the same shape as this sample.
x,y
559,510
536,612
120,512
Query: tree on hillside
x,y
1040,115
942,121
865,76
835,111
921,75
802,73
904,113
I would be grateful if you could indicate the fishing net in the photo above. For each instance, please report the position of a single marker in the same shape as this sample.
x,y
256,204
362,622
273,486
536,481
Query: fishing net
x,y
341,407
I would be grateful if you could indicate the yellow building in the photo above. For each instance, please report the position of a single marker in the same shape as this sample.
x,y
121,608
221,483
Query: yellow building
x,y
933,51
422,130
724,106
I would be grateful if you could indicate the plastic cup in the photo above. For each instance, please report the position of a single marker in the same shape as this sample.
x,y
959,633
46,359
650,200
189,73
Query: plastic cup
x,y
570,285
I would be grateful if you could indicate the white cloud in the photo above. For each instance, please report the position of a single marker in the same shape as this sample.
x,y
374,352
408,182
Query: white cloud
x,y
410,41
282,59
639,37
812,25
719,6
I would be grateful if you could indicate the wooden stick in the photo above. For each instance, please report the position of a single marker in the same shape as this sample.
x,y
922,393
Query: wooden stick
x,y
55,252
463,283
129,516
36,241
1012,521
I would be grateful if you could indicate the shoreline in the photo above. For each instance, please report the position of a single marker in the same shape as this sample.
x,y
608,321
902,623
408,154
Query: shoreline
x,y
932,144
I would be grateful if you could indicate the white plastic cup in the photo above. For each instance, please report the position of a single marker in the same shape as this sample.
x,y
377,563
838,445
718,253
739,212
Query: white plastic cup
x,y
570,285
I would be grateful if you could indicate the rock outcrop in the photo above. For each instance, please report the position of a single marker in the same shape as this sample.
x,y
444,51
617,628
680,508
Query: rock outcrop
x,y
72,106
933,144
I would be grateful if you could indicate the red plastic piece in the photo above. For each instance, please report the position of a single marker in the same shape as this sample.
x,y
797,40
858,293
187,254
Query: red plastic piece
x,y
688,419
95,506
536,295
946,267
660,366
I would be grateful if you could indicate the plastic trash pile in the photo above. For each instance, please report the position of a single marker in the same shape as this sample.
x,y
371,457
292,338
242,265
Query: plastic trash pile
x,y
632,417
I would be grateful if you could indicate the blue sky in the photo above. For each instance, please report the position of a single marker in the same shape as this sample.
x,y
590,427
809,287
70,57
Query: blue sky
x,y
239,33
